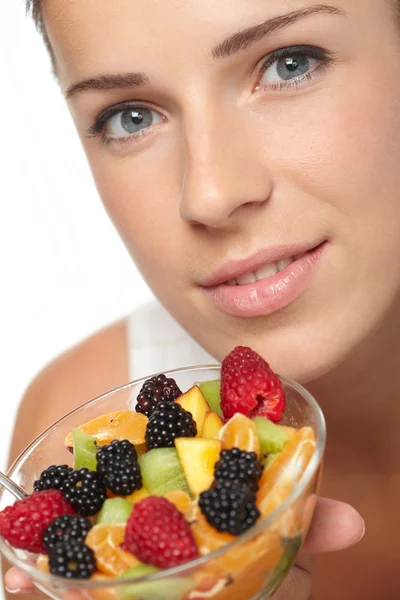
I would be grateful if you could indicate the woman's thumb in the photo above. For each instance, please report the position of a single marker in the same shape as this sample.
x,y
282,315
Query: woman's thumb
x,y
17,582
335,526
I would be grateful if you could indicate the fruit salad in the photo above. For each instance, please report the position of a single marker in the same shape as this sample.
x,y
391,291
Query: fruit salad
x,y
183,474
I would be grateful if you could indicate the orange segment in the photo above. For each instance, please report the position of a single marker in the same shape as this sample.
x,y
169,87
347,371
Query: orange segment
x,y
105,540
137,495
279,480
180,499
267,545
108,593
134,497
248,566
121,425
101,577
208,586
240,432
296,519
141,448
208,538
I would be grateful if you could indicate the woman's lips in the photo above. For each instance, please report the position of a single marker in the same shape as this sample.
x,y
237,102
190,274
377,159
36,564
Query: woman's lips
x,y
266,296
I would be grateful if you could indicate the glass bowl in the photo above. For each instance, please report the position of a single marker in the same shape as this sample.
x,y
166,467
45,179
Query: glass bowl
x,y
249,568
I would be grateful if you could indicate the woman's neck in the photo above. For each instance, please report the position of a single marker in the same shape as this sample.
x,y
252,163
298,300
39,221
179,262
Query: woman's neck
x,y
361,399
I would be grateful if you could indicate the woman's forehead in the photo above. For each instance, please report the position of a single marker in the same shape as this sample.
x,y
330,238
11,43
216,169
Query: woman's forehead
x,y
87,35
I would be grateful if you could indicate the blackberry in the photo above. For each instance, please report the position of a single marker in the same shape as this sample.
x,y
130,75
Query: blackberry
x,y
70,528
52,478
85,490
168,422
230,507
238,465
118,465
72,560
155,390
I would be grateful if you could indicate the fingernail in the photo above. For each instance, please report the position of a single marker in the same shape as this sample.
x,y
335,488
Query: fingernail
x,y
24,591
363,530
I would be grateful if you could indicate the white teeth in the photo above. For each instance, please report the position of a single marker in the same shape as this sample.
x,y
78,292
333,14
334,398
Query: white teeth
x,y
266,271
262,273
246,278
282,264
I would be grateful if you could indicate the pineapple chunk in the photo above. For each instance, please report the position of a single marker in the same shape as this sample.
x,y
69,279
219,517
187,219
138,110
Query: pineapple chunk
x,y
194,402
198,457
212,425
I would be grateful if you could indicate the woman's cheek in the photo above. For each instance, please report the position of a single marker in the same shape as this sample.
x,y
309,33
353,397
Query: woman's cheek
x,y
340,144
140,194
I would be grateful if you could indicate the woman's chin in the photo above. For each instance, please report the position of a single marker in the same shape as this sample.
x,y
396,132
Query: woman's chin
x,y
306,358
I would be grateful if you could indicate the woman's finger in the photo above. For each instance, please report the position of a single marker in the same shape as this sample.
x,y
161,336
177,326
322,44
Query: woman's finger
x,y
335,526
17,582
297,585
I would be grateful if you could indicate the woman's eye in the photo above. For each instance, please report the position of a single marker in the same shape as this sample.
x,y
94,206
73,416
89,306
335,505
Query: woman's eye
x,y
289,67
294,65
131,121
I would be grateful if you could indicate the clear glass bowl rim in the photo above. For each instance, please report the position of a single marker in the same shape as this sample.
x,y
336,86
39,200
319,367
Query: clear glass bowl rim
x,y
47,579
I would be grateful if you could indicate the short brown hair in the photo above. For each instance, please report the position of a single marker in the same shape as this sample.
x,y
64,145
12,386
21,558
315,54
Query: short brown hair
x,y
34,8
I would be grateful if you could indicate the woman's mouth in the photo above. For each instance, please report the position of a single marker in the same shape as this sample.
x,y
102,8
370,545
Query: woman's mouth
x,y
266,282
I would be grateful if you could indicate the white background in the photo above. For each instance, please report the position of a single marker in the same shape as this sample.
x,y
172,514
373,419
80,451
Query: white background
x,y
64,272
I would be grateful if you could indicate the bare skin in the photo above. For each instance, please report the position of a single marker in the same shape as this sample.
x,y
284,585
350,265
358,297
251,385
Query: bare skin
x,y
231,159
97,364
84,372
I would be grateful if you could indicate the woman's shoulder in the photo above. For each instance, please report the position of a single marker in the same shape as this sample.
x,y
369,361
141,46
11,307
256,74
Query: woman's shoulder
x,y
91,367
148,340
95,364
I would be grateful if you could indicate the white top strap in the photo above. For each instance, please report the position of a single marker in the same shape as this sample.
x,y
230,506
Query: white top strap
x,y
157,343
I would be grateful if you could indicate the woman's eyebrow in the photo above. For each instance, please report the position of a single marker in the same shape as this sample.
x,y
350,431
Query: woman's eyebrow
x,y
246,38
108,82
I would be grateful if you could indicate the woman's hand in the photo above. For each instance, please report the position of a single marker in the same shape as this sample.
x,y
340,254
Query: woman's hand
x,y
335,526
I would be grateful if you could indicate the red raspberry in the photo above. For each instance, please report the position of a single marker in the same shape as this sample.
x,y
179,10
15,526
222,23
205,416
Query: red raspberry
x,y
157,534
250,387
23,523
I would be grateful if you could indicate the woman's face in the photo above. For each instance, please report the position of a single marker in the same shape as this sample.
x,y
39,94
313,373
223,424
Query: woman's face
x,y
228,138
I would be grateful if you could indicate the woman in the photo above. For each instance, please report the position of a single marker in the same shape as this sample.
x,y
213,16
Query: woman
x,y
248,154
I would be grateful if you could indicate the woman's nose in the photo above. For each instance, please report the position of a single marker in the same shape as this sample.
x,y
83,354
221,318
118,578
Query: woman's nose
x,y
224,172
